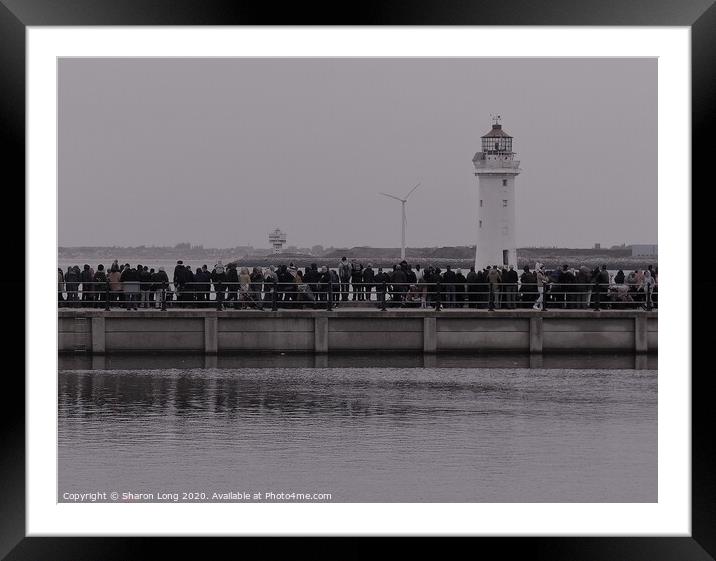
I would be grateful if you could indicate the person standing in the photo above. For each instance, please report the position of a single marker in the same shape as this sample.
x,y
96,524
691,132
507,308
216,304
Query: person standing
x,y
115,284
257,280
162,281
87,286
542,282
178,280
60,288
649,284
130,287
582,287
285,280
344,274
322,281
422,285
356,280
566,281
528,287
399,281
232,286
218,278
152,288
72,281
460,281
601,288
205,286
368,282
145,285
494,279
334,286
381,286
510,287
99,282
270,279
449,287
472,281
190,284
311,277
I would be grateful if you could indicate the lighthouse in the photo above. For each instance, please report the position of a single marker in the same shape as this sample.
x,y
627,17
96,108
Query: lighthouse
x,y
496,169
277,238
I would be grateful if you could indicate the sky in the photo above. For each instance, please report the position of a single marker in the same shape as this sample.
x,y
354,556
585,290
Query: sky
x,y
219,152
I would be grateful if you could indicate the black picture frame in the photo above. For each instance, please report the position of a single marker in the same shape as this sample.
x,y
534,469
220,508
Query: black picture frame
x,y
17,15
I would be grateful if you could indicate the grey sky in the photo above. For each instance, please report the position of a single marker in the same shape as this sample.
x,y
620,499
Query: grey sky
x,y
221,151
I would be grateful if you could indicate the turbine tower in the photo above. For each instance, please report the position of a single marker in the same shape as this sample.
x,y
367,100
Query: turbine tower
x,y
402,201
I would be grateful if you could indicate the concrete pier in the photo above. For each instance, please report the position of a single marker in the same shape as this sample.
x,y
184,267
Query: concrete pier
x,y
356,330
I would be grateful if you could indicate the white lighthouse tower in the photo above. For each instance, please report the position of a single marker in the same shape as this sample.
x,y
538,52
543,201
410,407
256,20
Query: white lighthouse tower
x,y
496,169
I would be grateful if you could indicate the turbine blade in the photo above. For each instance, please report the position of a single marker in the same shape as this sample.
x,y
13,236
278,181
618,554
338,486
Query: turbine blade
x,y
392,197
411,191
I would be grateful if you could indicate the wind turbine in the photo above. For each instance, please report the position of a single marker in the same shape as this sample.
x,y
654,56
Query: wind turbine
x,y
403,201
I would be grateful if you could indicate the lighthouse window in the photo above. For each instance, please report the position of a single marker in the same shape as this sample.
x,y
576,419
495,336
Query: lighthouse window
x,y
504,202
480,202
504,183
480,223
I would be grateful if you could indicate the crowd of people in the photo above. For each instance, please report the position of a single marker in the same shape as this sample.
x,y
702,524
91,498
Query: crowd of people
x,y
133,287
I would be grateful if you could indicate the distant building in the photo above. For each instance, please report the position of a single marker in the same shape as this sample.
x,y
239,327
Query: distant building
x,y
644,250
277,238
597,246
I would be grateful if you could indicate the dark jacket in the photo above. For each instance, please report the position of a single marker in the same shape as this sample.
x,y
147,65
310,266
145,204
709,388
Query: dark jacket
x,y
529,282
86,279
160,280
218,278
145,280
189,279
129,275
100,281
325,279
567,279
399,279
460,281
356,273
178,278
72,279
232,277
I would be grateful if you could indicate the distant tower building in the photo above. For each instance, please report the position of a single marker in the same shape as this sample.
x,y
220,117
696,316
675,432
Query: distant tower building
x,y
496,169
277,238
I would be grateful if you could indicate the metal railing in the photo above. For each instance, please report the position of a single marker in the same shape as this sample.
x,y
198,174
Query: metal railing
x,y
275,295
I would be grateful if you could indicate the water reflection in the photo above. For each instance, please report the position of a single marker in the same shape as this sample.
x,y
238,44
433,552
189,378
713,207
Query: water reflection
x,y
364,433
148,361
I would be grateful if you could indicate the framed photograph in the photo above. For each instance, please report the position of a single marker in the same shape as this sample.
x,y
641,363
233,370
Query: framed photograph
x,y
392,275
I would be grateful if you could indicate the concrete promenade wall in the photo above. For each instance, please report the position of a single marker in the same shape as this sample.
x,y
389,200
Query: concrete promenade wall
x,y
351,330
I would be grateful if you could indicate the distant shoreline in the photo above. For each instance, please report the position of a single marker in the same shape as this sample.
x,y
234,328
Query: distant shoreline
x,y
459,256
